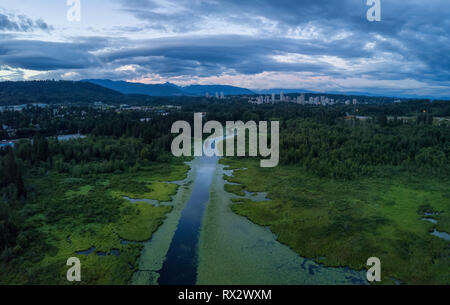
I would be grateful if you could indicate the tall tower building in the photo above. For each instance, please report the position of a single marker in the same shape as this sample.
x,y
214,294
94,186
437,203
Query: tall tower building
x,y
281,96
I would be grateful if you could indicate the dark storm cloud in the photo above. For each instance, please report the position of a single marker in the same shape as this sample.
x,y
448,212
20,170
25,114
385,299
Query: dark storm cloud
x,y
42,56
22,23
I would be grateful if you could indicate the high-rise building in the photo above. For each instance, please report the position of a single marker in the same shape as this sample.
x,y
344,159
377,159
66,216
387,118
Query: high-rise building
x,y
273,97
222,95
281,96
217,95
302,99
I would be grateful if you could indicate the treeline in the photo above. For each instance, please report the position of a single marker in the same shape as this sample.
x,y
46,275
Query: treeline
x,y
53,120
92,155
114,137
344,151
410,108
329,143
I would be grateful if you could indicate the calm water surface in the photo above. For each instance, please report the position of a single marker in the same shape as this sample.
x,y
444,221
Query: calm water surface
x,y
180,266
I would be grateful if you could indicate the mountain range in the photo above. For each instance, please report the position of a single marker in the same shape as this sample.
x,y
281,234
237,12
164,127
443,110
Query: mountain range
x,y
167,89
121,92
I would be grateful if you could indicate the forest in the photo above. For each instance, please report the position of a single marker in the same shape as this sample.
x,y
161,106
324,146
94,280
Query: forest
x,y
331,142
325,142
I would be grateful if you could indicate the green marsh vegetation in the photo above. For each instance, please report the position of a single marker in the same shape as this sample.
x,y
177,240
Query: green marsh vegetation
x,y
66,215
345,192
346,222
65,199
235,251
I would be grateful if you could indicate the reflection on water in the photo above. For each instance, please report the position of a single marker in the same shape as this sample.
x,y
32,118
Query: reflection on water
x,y
127,242
180,266
257,197
430,220
86,252
70,137
154,252
442,235
115,252
430,214
149,201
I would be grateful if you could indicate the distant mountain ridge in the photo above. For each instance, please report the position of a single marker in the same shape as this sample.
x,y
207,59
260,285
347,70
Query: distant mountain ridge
x,y
137,88
76,92
285,91
168,89
212,89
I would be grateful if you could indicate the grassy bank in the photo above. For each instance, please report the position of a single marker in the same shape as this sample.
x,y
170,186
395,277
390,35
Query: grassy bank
x,y
343,223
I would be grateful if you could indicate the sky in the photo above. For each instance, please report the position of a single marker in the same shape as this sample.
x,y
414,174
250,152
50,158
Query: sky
x,y
319,45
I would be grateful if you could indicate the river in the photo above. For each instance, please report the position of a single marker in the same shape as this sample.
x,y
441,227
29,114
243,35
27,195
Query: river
x,y
203,242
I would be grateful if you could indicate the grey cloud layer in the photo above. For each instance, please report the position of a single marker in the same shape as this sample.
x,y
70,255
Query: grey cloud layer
x,y
417,30
44,56
211,55
331,38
